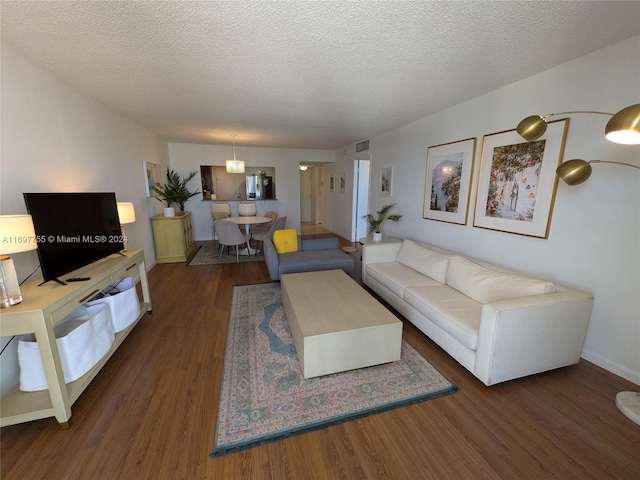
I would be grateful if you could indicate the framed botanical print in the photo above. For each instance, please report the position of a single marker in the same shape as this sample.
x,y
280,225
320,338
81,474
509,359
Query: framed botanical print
x,y
343,182
517,181
332,183
386,176
447,183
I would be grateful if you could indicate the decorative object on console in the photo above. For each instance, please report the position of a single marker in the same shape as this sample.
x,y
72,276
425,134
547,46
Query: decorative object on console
x,y
126,214
18,235
234,166
374,223
517,181
176,190
448,181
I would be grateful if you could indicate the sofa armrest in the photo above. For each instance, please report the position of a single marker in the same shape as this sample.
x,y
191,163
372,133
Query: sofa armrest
x,y
376,253
271,259
319,244
524,336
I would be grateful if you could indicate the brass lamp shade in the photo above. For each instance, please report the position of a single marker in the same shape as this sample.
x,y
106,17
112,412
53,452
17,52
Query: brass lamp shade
x,y
624,126
532,128
574,172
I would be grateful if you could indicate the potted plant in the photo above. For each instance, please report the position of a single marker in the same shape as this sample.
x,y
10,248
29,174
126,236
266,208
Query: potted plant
x,y
175,191
374,223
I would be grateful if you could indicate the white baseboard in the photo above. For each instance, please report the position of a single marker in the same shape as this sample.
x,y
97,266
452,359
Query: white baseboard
x,y
613,367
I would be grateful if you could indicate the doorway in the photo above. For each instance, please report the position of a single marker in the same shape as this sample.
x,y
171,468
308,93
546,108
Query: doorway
x,y
361,183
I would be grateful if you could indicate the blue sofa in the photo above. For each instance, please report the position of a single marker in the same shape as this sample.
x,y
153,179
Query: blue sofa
x,y
312,255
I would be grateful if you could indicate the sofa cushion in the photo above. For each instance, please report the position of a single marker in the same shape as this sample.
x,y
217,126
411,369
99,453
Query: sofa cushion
x,y
396,277
423,260
454,312
285,240
319,243
485,285
310,261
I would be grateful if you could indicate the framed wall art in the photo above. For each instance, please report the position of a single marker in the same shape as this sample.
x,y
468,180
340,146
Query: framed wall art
x,y
332,183
343,182
386,176
152,177
517,181
447,184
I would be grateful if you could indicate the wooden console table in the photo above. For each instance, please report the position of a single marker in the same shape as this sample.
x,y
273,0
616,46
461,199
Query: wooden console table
x,y
44,306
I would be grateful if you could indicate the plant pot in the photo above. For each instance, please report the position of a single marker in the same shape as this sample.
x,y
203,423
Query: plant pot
x,y
377,237
170,212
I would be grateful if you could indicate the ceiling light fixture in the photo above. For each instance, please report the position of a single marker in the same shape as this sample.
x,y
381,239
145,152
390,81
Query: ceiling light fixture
x,y
623,127
303,167
234,166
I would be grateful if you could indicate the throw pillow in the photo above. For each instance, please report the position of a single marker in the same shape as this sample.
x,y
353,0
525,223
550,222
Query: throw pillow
x,y
285,241
421,259
485,285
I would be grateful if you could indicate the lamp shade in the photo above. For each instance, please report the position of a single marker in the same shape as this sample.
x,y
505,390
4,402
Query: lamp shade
x,y
235,166
624,126
18,234
126,212
574,172
532,128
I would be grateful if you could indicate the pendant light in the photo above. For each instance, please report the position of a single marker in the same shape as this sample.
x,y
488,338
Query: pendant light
x,y
234,166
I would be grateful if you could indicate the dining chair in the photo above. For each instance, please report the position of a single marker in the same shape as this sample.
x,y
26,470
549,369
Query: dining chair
x,y
230,235
218,212
247,210
261,236
264,227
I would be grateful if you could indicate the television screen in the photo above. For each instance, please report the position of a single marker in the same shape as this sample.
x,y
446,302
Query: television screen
x,y
73,229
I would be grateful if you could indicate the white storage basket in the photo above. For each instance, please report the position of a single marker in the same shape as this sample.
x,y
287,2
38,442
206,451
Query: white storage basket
x,y
83,338
122,300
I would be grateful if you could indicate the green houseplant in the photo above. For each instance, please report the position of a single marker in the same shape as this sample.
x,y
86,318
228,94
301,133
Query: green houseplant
x,y
375,222
175,190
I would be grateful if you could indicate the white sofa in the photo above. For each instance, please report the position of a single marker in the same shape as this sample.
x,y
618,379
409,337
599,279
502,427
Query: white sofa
x,y
497,323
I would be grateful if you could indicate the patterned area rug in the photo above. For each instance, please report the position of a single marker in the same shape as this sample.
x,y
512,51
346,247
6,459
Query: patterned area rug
x,y
209,254
264,396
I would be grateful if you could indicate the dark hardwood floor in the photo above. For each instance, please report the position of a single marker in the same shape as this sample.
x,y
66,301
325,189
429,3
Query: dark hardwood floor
x,y
151,412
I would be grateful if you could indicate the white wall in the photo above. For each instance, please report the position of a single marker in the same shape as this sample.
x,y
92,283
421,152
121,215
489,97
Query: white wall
x,y
55,139
594,239
185,157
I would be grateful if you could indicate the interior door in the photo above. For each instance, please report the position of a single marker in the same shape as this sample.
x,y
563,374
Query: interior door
x,y
361,179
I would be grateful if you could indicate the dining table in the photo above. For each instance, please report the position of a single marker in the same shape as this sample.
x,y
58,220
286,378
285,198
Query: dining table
x,y
247,222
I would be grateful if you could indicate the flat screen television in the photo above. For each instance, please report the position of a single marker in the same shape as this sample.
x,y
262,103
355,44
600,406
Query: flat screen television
x,y
73,230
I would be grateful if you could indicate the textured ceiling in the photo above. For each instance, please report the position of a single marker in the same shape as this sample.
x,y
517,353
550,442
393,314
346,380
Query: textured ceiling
x,y
301,74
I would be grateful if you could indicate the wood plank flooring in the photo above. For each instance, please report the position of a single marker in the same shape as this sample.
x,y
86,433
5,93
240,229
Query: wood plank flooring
x,y
151,412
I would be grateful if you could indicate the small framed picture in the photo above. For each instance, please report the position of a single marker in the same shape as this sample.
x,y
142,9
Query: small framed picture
x,y
386,175
447,182
332,183
152,177
343,182
517,181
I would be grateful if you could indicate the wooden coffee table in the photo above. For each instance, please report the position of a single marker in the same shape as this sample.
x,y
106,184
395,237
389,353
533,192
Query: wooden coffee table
x,y
336,325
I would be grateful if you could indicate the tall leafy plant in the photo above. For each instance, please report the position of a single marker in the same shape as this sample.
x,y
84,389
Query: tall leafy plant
x,y
375,222
176,190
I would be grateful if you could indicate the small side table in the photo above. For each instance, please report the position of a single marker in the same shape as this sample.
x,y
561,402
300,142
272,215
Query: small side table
x,y
349,249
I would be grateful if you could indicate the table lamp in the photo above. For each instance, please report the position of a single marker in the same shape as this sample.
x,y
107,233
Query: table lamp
x,y
16,235
126,214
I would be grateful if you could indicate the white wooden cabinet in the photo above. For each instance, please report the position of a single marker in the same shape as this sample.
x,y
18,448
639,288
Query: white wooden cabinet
x,y
41,308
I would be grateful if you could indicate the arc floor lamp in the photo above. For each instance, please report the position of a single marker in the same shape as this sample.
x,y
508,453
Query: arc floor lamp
x,y
623,127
